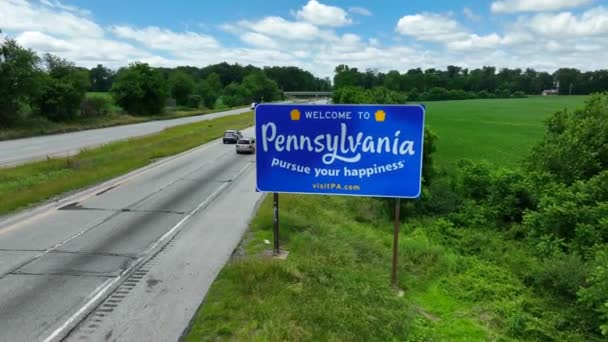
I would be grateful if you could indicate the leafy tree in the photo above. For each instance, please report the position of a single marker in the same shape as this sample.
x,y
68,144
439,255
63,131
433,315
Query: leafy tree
x,y
209,89
19,79
140,90
101,78
569,81
294,78
260,87
392,80
575,146
236,94
63,89
182,86
347,77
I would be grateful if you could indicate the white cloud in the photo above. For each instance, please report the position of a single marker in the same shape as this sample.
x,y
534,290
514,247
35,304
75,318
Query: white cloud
x,y
58,5
511,6
475,41
590,23
21,15
319,14
431,27
259,40
41,41
85,51
470,14
164,39
360,11
279,27
544,41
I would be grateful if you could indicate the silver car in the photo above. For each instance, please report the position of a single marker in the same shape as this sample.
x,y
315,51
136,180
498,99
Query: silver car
x,y
245,145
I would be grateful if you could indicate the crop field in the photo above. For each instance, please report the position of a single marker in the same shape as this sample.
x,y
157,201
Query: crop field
x,y
500,130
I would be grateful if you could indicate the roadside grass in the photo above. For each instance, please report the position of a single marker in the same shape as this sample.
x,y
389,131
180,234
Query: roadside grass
x,y
497,130
332,287
460,284
37,126
28,184
335,284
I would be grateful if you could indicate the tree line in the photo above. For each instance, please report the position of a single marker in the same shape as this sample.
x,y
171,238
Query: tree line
x,y
460,83
50,87
54,88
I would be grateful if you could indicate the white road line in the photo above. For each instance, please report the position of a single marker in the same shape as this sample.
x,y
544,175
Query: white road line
x,y
104,289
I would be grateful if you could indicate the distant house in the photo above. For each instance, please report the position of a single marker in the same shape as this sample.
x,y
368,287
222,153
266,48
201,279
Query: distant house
x,y
549,92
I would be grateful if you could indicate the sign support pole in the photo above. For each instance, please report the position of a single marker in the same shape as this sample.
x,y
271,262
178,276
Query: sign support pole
x,y
396,241
275,230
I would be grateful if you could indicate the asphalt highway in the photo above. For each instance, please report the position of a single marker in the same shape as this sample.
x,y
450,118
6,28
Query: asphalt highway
x,y
111,263
18,151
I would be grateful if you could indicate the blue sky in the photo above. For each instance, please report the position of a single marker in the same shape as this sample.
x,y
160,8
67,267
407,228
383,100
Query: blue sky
x,y
316,35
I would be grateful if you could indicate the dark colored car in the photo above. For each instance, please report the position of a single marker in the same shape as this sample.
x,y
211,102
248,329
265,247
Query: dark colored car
x,y
231,136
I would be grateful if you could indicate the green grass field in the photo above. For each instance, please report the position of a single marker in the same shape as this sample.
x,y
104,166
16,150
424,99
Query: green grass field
x,y
335,284
501,131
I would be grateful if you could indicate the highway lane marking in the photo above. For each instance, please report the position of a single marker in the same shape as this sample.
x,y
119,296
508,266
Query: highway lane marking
x,y
112,283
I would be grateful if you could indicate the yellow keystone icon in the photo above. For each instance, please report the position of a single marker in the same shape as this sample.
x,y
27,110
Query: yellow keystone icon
x,y
380,115
295,115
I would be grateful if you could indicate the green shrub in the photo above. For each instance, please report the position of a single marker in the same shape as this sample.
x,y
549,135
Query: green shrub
x,y
575,146
59,101
95,106
194,101
63,90
503,93
519,94
484,94
561,273
594,296
437,94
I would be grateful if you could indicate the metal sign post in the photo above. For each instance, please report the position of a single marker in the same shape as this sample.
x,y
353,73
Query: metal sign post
x,y
275,230
396,241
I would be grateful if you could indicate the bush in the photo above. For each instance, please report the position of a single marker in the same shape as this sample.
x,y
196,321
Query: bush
x,y
59,100
350,95
575,145
503,93
594,296
458,94
63,90
561,273
413,95
519,94
437,94
577,213
95,106
194,101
